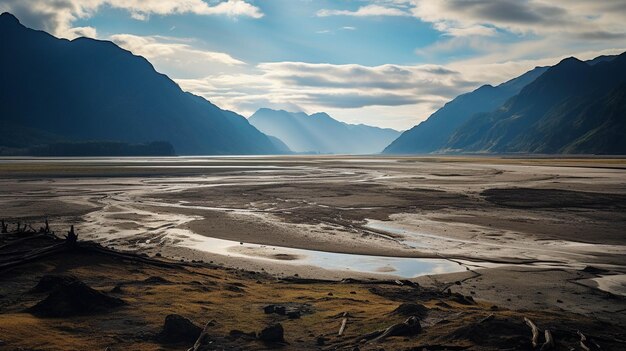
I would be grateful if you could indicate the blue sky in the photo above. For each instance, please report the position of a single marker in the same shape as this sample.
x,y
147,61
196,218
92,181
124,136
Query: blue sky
x,y
388,63
289,30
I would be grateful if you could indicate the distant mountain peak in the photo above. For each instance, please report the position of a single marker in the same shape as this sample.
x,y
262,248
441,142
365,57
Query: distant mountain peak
x,y
7,18
320,115
571,62
320,133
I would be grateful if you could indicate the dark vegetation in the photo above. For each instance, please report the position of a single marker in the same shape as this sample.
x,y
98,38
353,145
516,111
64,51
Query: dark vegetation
x,y
103,148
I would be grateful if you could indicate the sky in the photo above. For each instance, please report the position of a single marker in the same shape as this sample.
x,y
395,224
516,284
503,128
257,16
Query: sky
x,y
388,63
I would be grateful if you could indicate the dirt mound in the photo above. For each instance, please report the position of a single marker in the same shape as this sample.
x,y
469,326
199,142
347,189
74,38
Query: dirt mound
x,y
273,333
156,280
411,309
71,297
178,329
461,299
495,332
49,282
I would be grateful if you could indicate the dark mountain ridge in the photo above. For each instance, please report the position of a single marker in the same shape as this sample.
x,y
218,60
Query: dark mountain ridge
x,y
435,132
84,90
574,107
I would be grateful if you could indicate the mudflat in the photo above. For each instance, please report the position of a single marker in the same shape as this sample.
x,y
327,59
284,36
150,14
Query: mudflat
x,y
542,237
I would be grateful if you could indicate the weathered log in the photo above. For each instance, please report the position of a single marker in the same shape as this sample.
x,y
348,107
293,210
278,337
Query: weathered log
x,y
34,255
344,321
19,241
201,342
71,238
549,344
535,331
583,341
46,228
409,327
487,319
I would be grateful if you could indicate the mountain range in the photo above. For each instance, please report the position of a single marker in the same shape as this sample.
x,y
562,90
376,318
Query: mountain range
x,y
434,133
572,107
83,96
56,90
320,133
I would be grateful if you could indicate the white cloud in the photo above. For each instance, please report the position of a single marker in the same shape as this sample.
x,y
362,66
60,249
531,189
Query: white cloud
x,y
75,32
316,87
369,10
171,49
57,16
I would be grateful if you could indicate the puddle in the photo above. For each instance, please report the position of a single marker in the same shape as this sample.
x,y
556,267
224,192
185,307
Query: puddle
x,y
403,267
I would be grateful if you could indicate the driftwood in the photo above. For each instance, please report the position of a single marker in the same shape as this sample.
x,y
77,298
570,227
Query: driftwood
x,y
409,327
20,240
583,341
535,331
344,321
34,255
549,344
45,229
487,319
201,342
71,243
71,238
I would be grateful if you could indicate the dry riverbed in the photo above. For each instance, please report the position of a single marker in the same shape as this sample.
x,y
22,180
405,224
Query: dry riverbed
x,y
537,237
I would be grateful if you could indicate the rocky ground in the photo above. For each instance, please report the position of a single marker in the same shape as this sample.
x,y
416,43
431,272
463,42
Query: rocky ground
x,y
60,295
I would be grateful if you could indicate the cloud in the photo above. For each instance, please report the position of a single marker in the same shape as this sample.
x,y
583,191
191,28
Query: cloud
x,y
590,20
574,18
364,11
57,16
166,48
397,96
320,87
